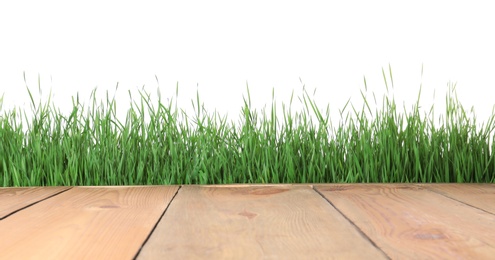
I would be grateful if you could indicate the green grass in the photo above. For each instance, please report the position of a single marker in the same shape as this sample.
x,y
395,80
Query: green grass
x,y
158,143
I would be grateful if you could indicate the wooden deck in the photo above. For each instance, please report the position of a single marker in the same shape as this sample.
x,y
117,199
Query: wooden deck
x,y
351,221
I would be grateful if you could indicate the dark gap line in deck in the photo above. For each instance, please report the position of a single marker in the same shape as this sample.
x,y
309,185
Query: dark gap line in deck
x,y
361,232
34,203
428,188
156,224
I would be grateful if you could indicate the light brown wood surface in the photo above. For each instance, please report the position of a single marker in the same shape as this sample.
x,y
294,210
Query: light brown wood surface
x,y
300,221
85,223
481,196
412,222
14,199
255,222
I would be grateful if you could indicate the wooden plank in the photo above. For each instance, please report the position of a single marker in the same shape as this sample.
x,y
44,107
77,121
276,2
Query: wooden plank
x,y
410,222
14,199
481,195
87,223
253,222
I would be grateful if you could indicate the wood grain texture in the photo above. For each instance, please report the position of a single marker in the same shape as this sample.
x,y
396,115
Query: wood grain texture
x,y
481,195
85,223
253,222
14,199
410,222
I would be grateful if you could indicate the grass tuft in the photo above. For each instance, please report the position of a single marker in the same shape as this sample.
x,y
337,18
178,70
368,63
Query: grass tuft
x,y
161,144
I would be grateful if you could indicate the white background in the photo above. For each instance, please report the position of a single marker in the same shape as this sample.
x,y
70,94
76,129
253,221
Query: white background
x,y
215,47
